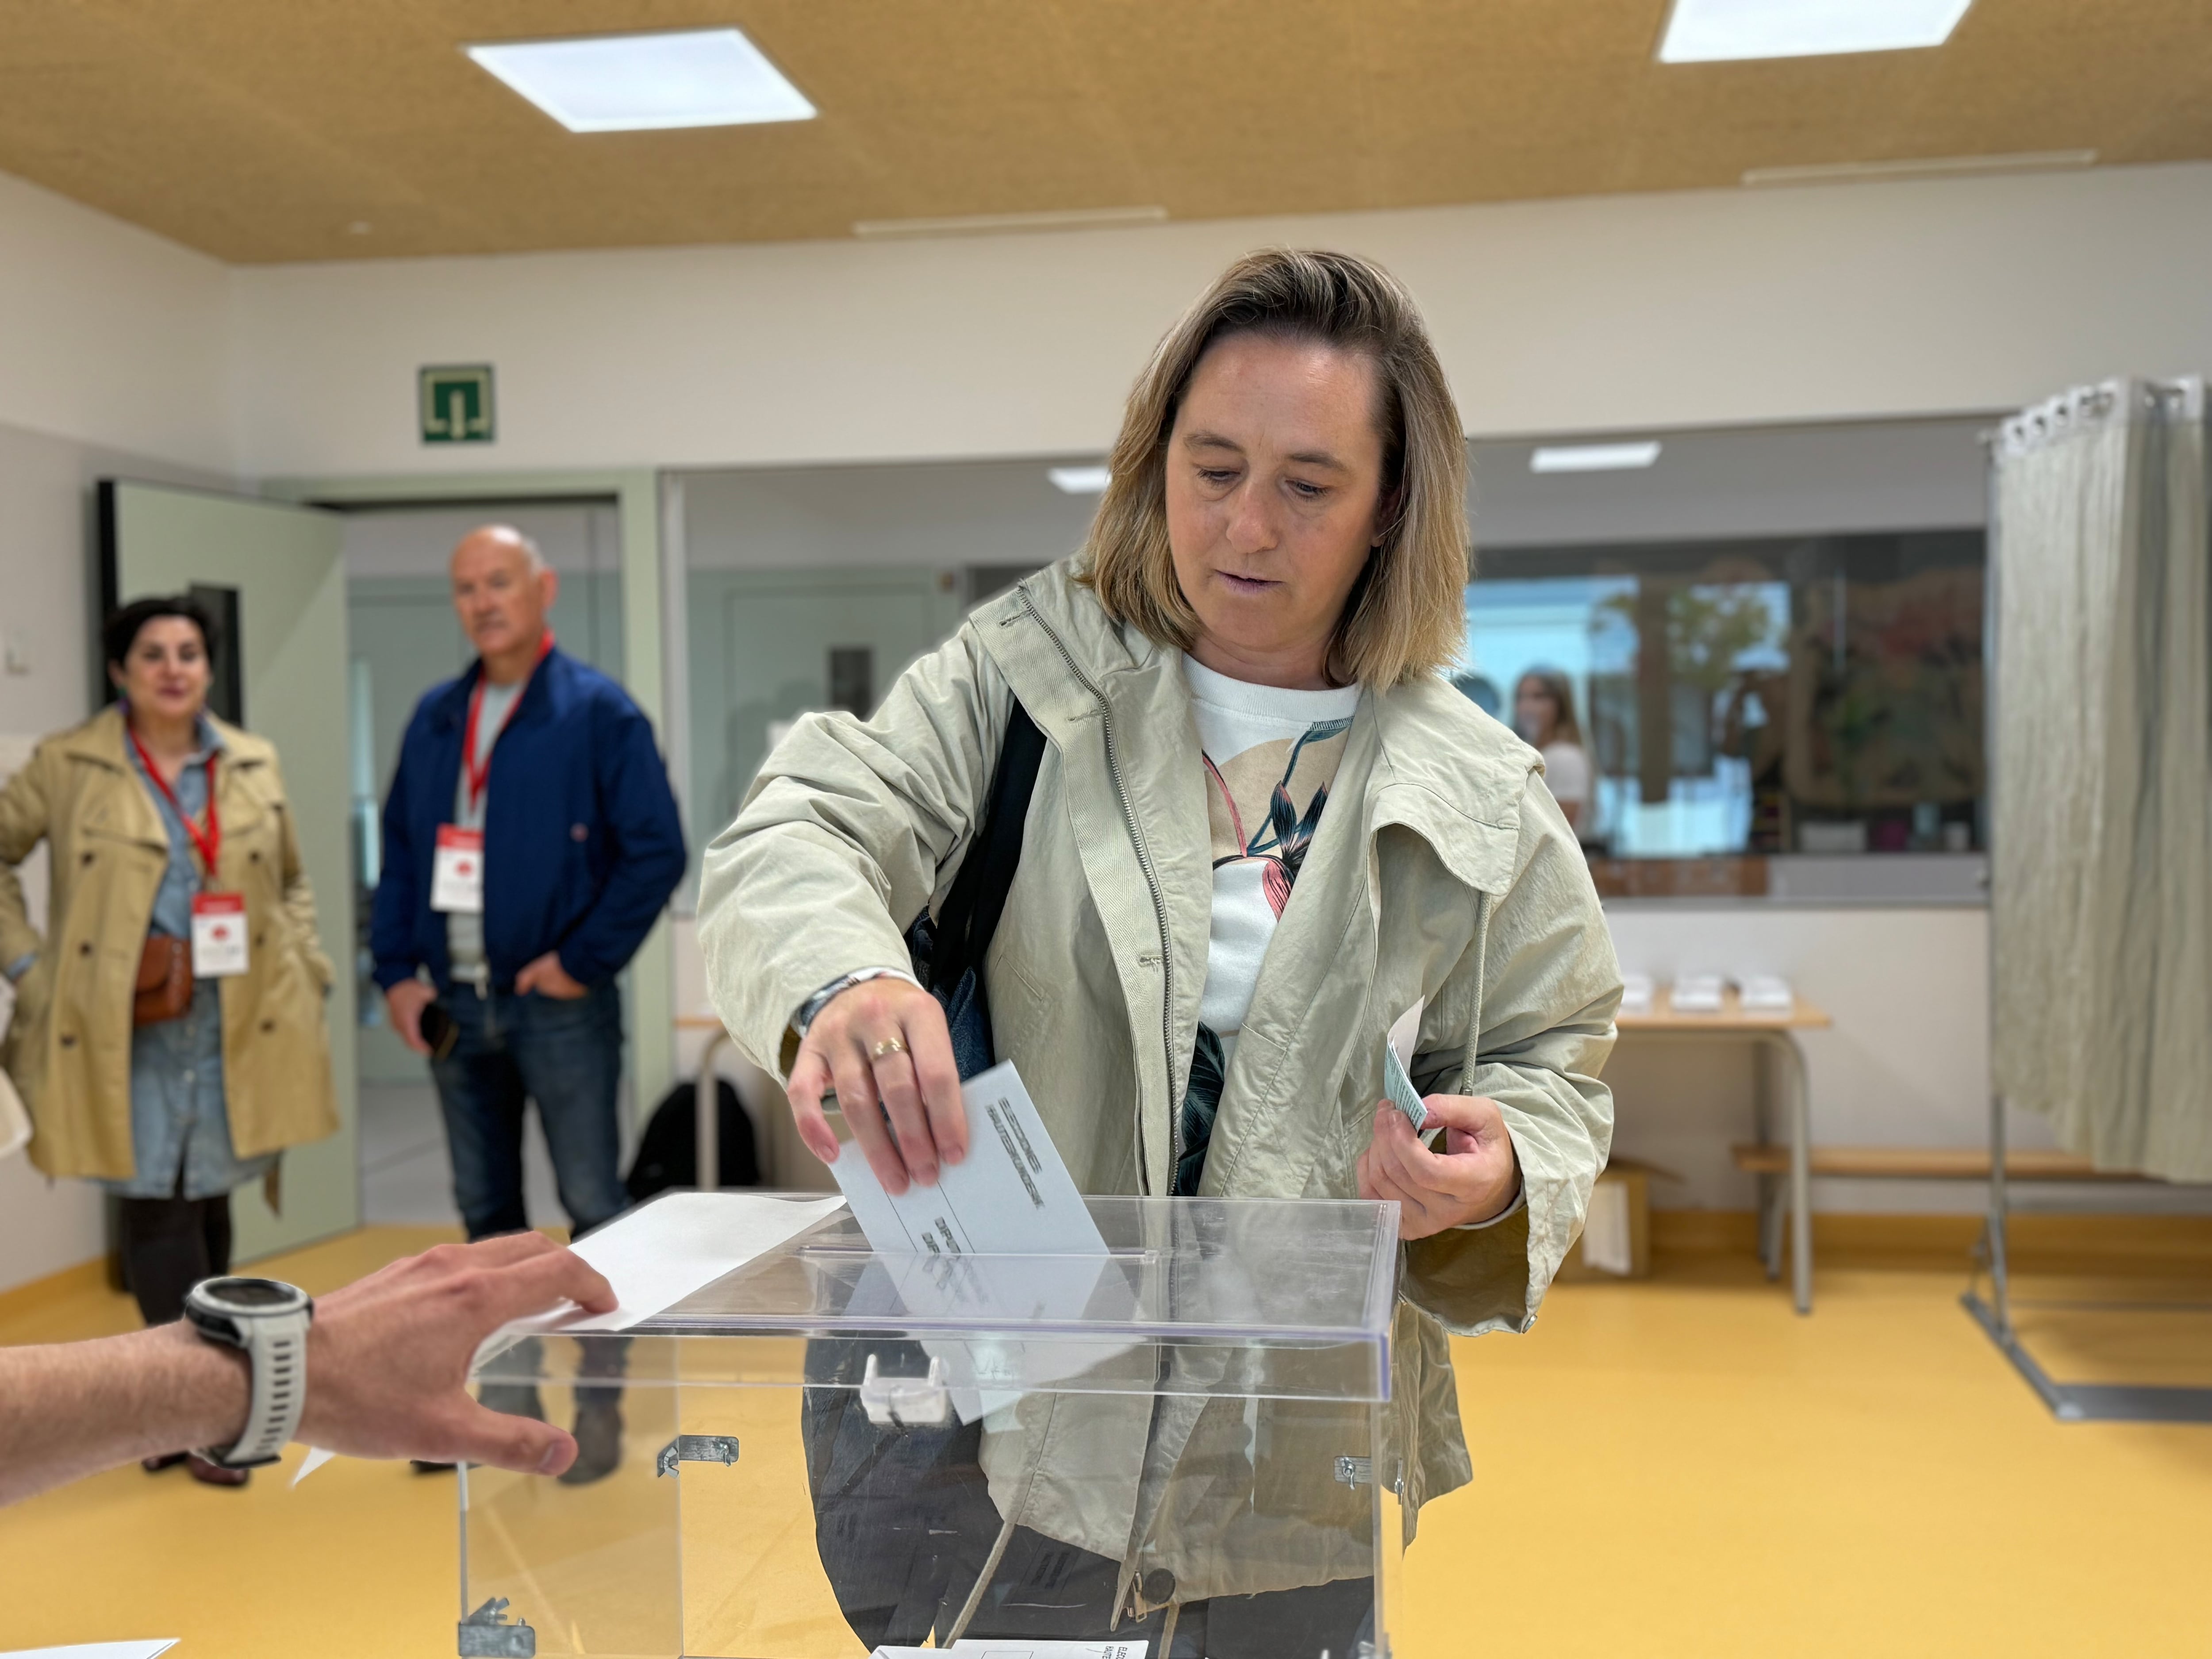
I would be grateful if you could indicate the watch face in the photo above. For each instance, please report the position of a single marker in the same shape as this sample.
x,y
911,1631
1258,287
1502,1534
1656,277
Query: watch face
x,y
252,1293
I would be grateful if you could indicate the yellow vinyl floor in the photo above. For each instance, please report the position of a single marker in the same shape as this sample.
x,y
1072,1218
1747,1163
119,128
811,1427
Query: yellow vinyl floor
x,y
1679,1467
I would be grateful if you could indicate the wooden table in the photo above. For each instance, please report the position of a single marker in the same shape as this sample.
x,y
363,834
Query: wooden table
x,y
1774,1033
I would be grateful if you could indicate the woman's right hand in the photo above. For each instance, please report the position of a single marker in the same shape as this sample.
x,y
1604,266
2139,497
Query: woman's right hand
x,y
884,1047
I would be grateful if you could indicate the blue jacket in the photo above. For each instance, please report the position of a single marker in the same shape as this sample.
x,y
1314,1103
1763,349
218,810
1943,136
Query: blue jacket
x,y
583,841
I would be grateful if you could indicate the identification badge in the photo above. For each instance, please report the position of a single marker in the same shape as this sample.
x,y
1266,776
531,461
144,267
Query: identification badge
x,y
218,935
457,871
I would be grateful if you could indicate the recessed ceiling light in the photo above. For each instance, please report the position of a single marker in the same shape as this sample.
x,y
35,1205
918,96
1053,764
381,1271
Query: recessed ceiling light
x,y
635,83
1080,480
1594,458
1711,31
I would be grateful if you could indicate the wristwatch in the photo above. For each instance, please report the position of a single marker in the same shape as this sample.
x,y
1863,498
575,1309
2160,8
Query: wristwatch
x,y
268,1320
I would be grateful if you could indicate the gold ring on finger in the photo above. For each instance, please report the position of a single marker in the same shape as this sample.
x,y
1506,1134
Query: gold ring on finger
x,y
888,1046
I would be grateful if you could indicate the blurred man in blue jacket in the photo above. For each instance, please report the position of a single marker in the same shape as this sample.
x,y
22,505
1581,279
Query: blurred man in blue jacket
x,y
531,840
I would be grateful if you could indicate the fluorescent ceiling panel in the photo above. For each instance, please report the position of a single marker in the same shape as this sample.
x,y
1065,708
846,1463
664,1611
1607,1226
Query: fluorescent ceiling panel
x,y
1713,31
635,82
1594,458
1079,480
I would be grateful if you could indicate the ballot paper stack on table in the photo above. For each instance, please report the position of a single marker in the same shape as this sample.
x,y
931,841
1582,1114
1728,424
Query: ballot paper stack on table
x,y
1767,993
1698,993
1636,991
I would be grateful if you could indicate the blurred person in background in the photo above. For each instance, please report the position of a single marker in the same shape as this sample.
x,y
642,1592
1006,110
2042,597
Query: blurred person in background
x,y
1544,715
168,1031
531,840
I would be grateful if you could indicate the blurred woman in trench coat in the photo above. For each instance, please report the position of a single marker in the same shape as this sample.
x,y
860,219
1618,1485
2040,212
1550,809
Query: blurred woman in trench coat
x,y
170,1069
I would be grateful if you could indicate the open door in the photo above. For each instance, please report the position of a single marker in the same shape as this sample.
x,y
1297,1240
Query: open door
x,y
275,575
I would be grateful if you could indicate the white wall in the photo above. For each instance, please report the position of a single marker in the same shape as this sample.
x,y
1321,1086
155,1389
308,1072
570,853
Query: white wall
x,y
47,613
115,361
1602,313
112,336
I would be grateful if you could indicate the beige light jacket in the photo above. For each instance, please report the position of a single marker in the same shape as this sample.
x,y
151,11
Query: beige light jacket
x,y
68,1046
1441,873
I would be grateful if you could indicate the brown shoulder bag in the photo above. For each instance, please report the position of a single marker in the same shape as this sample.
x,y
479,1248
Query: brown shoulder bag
x,y
164,990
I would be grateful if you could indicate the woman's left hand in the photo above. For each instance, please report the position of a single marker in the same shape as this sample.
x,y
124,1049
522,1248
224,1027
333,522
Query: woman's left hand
x,y
1472,1177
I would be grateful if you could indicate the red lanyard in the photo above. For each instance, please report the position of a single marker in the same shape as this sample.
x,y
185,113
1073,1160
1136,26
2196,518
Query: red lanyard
x,y
476,775
209,840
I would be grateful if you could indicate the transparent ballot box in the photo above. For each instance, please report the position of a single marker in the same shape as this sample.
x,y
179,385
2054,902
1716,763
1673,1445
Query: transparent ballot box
x,y
1174,1445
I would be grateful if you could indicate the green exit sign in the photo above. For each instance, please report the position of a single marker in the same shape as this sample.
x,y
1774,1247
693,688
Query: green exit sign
x,y
456,404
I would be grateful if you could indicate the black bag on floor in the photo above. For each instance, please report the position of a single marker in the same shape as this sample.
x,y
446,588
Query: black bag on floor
x,y
668,1151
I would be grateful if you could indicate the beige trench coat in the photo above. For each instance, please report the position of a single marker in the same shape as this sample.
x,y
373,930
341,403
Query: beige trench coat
x,y
68,1046
1441,873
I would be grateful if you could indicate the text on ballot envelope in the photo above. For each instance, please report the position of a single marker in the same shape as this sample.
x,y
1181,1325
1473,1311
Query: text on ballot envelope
x,y
1011,1195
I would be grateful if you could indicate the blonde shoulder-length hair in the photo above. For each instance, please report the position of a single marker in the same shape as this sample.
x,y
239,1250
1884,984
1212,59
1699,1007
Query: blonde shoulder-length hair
x,y
1406,616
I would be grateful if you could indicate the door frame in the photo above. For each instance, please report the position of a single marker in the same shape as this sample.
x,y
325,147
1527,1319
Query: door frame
x,y
635,493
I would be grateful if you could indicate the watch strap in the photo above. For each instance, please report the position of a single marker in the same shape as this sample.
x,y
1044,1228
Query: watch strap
x,y
275,1347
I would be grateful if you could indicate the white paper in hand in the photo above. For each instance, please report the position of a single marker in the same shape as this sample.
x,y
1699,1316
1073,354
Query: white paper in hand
x,y
1011,1195
1398,1088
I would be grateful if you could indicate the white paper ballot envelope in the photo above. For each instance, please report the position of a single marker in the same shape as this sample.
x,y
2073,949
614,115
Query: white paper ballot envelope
x,y
1011,1195
946,1247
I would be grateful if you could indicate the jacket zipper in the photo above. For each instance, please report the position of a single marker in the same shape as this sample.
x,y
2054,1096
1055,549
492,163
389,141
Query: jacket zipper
x,y
1152,880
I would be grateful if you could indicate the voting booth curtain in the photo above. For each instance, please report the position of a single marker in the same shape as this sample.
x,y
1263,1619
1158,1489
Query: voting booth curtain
x,y
2101,740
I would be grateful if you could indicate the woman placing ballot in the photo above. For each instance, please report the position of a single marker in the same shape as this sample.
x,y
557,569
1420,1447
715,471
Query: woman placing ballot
x,y
168,1033
1265,838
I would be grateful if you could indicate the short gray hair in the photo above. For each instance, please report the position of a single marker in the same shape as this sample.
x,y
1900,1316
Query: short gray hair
x,y
533,556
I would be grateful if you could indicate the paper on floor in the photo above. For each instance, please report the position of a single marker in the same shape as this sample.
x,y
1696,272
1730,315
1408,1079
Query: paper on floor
x,y
97,1650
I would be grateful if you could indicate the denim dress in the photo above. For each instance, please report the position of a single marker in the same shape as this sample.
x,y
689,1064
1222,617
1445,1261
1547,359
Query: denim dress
x,y
179,1127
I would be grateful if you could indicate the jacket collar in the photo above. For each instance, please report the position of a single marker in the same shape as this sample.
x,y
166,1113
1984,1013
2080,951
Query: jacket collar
x,y
452,701
1442,767
103,741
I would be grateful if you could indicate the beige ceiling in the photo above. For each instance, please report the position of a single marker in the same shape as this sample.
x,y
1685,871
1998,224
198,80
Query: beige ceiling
x,y
270,129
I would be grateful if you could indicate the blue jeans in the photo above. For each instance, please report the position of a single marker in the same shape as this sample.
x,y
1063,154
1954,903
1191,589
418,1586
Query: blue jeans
x,y
565,1055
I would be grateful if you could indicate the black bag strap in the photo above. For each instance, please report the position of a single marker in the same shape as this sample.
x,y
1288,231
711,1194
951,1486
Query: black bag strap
x,y
970,917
